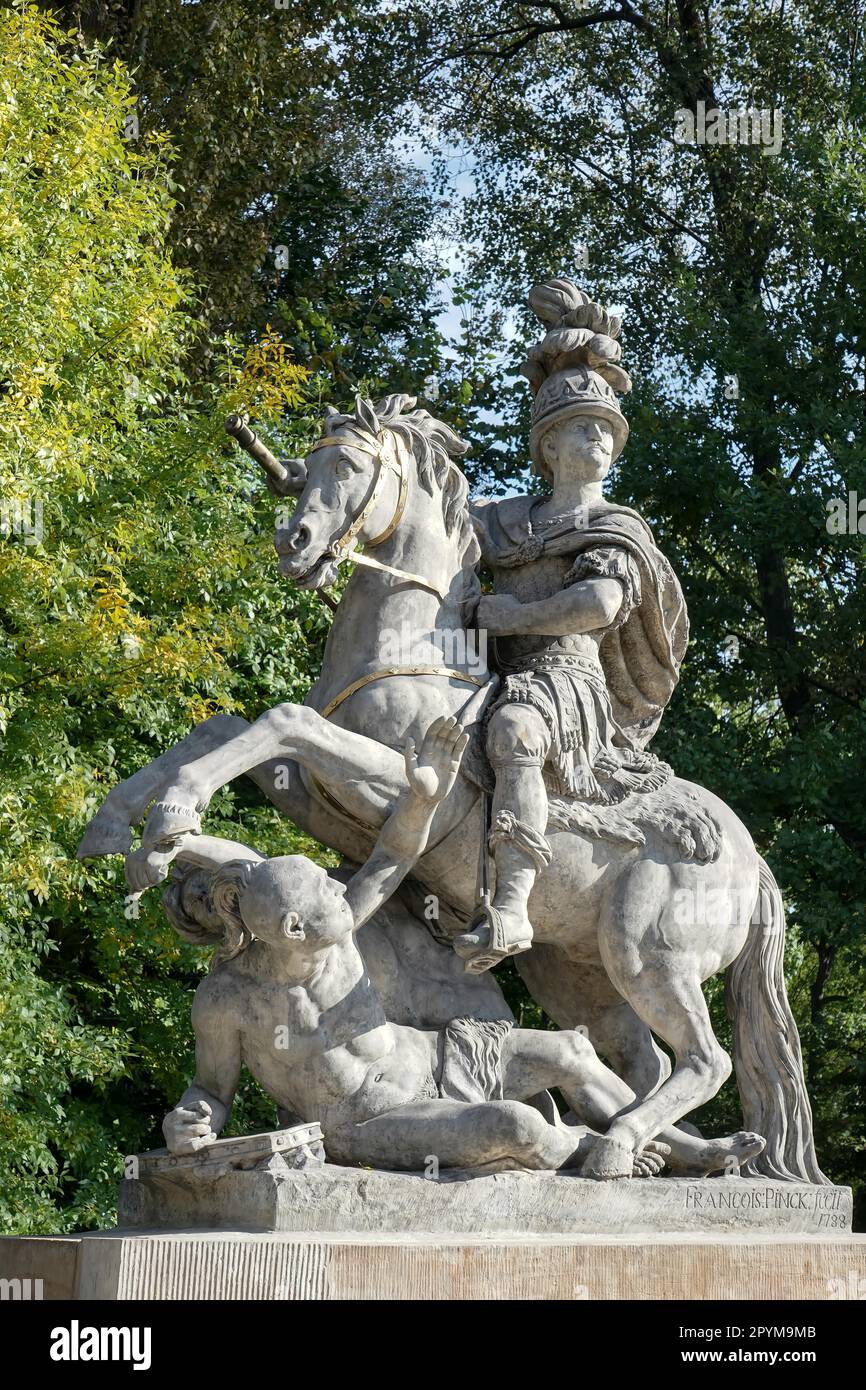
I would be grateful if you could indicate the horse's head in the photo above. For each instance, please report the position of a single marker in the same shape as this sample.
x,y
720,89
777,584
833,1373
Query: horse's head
x,y
351,481
359,476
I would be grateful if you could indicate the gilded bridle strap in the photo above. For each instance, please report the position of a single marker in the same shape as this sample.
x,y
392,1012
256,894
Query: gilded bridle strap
x,y
348,441
359,558
399,507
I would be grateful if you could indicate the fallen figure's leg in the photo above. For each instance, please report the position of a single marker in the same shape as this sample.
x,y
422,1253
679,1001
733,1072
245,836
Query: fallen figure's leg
x,y
461,1135
533,1061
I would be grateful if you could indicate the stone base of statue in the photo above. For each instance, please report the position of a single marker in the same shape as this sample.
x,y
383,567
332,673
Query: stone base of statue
x,y
333,1200
267,1218
277,1266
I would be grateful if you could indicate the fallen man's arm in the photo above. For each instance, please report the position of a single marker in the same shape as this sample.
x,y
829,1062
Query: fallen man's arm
x,y
431,774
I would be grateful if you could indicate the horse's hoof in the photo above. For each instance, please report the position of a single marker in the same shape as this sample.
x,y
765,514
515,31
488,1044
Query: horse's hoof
x,y
105,835
174,814
608,1159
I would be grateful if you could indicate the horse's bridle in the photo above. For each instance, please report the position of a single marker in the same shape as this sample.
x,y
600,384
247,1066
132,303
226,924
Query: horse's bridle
x,y
386,457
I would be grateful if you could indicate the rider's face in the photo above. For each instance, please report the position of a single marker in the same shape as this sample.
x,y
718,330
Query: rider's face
x,y
579,449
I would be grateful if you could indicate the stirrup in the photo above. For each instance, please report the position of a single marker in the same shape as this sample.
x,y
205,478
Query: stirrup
x,y
481,958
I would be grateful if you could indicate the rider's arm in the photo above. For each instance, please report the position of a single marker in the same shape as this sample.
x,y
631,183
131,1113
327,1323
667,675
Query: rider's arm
x,y
584,607
600,591
403,838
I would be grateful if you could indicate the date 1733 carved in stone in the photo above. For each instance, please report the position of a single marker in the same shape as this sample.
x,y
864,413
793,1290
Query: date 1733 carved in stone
x,y
355,1011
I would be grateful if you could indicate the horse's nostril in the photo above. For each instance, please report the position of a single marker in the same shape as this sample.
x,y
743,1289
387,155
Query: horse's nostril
x,y
292,538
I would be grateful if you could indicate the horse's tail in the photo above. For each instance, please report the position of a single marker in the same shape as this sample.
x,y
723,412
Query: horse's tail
x,y
767,1057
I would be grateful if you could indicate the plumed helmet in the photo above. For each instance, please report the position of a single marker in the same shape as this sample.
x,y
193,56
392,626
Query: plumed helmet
x,y
574,370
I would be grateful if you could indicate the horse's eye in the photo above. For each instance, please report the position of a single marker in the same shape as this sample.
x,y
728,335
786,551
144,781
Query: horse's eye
x,y
345,470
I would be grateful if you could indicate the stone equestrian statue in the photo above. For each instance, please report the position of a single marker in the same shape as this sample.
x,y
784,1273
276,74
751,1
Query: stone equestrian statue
x,y
619,887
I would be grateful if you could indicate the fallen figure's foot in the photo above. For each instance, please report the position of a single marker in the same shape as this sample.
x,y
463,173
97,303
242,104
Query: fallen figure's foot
x,y
715,1155
650,1161
688,1156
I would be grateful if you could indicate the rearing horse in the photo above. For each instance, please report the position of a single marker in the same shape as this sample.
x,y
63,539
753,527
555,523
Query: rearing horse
x,y
621,958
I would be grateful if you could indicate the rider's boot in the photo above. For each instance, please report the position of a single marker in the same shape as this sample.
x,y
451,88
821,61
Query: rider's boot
x,y
517,744
502,928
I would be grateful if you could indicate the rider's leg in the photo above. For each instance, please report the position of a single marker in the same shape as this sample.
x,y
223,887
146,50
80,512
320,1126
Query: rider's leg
x,y
518,741
534,1060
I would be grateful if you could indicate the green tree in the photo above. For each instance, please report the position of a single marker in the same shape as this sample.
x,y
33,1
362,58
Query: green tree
x,y
137,595
138,589
248,92
289,208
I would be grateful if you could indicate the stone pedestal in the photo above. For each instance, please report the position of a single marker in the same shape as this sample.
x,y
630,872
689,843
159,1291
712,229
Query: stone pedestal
x,y
191,1196
277,1267
203,1229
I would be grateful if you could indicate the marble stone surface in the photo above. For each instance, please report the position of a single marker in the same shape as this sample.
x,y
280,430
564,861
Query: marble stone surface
x,y
341,1200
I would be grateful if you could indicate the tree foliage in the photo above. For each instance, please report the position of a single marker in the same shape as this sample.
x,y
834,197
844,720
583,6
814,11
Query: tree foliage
x,y
287,208
137,595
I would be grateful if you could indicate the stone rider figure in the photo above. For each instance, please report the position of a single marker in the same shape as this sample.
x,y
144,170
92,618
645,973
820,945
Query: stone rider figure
x,y
587,623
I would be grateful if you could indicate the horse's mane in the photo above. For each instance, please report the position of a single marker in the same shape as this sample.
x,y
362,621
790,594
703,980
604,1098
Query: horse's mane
x,y
433,445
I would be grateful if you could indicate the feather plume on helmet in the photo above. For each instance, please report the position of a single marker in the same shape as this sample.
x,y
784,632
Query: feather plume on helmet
x,y
574,369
